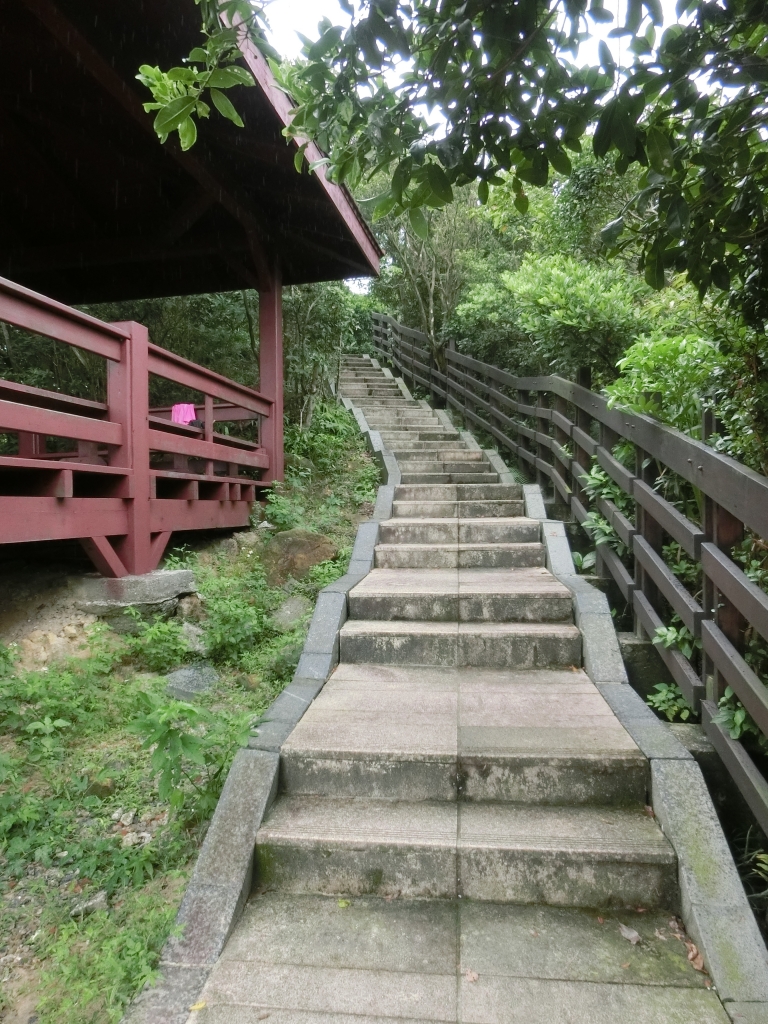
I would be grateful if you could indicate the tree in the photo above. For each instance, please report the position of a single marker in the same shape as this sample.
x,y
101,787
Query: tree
x,y
688,111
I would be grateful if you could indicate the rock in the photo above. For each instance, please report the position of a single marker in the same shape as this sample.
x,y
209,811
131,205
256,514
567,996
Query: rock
x,y
127,818
221,547
265,526
248,680
246,541
102,788
294,552
153,593
130,839
195,638
191,607
290,613
70,632
188,683
90,906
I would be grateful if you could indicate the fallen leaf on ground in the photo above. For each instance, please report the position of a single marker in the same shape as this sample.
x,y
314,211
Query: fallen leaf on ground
x,y
263,1015
471,975
601,920
695,957
198,1006
649,811
343,903
660,935
534,933
625,966
630,934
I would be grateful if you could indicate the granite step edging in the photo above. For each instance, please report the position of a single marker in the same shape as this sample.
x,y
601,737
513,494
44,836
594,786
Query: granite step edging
x,y
714,906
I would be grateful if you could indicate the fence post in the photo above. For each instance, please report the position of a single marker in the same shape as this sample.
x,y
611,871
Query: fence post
x,y
583,422
128,400
271,370
725,530
542,451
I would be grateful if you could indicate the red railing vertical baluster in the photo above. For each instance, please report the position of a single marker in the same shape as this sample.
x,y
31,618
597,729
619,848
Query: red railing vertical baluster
x,y
128,400
271,371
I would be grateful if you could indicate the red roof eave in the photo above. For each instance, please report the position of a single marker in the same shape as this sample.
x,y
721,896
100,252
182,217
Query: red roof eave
x,y
338,195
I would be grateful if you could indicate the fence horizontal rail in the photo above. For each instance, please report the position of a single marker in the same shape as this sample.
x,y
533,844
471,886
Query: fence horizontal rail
x,y
121,478
558,430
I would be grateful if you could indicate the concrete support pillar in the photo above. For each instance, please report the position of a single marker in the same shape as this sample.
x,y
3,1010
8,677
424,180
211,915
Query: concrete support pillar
x,y
271,370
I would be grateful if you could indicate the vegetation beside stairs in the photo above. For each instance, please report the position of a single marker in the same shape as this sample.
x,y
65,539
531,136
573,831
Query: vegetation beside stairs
x,y
107,784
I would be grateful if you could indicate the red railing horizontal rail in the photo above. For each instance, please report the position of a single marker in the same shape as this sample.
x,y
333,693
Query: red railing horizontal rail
x,y
558,429
130,476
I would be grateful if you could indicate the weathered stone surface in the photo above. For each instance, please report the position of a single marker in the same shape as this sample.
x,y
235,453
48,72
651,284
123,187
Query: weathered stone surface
x,y
645,666
188,683
169,1000
715,907
151,588
223,873
747,1013
195,638
291,613
294,552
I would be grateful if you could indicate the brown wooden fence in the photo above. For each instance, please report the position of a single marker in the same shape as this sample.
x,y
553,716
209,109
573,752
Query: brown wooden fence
x,y
556,428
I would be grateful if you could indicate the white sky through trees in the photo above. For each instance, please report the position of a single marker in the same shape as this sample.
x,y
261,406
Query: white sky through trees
x,y
287,17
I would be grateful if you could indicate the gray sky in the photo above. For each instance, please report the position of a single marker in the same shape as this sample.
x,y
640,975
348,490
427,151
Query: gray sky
x,y
289,16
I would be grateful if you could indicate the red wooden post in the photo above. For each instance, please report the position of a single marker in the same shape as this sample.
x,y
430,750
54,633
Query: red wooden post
x,y
271,371
128,398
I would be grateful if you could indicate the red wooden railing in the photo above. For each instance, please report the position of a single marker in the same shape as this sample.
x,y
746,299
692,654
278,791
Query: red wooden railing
x,y
131,477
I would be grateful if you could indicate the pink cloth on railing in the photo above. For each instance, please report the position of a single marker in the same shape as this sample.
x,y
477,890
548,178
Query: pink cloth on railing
x,y
183,413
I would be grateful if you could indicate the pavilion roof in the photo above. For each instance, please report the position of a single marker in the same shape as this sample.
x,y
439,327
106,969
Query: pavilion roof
x,y
93,208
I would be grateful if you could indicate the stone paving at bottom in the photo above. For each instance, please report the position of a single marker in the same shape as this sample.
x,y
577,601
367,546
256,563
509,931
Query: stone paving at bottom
x,y
307,959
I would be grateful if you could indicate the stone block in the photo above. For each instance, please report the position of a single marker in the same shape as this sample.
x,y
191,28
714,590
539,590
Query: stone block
x,y
270,736
169,1000
534,502
287,707
188,683
651,735
715,907
154,593
384,498
330,615
645,666
365,542
317,666
747,1013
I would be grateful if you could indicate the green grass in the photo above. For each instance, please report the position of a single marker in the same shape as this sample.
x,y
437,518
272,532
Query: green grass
x,y
83,741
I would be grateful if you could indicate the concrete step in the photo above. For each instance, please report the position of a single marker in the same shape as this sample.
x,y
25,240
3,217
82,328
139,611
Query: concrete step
x,y
461,509
447,556
302,959
446,466
461,595
422,447
575,857
515,645
488,477
537,737
516,530
461,492
444,454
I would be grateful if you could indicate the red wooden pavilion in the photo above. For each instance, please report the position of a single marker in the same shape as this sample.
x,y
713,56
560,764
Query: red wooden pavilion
x,y
94,209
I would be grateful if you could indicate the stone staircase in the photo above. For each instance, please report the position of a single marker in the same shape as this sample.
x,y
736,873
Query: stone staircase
x,y
461,832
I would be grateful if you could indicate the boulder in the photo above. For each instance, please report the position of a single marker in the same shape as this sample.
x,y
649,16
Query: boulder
x,y
188,683
294,552
195,638
290,613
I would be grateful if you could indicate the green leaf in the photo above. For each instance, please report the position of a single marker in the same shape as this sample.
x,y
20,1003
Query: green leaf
x,y
173,113
224,106
659,152
720,276
559,160
482,192
606,58
187,133
521,202
225,78
438,182
654,269
198,54
419,223
611,231
383,207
